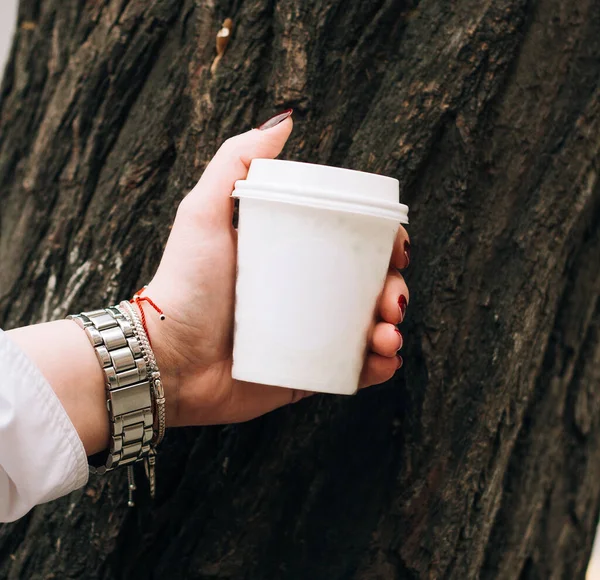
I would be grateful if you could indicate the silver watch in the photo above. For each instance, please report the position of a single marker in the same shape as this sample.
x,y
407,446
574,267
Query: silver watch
x,y
128,388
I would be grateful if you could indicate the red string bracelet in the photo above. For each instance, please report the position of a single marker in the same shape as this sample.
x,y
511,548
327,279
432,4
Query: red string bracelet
x,y
137,300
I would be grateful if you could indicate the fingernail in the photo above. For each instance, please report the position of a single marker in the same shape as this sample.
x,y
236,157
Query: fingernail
x,y
402,303
273,121
407,252
400,361
401,338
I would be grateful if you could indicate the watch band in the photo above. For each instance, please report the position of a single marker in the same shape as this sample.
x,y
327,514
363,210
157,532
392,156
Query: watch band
x,y
128,388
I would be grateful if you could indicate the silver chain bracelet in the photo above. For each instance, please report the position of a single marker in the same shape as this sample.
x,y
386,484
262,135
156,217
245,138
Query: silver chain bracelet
x,y
159,394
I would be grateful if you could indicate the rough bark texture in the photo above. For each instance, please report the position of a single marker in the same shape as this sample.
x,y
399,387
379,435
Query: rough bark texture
x,y
482,458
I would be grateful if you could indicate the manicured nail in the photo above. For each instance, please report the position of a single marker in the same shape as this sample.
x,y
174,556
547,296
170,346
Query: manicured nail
x,y
400,361
402,303
273,121
407,252
401,338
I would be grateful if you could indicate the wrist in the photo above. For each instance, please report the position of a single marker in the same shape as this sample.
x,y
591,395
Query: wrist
x,y
80,385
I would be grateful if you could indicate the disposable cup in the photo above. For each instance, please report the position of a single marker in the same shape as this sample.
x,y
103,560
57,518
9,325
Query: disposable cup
x,y
314,244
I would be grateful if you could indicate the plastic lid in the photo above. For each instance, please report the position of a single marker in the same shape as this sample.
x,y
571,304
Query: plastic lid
x,y
321,186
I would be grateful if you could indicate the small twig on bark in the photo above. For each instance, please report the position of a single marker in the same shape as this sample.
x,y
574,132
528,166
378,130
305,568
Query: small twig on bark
x,y
223,37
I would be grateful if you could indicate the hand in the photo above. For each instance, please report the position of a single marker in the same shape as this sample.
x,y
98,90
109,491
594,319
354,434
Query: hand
x,y
195,286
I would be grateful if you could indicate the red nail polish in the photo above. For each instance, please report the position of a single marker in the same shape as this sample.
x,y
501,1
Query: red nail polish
x,y
407,252
401,339
274,121
400,361
402,303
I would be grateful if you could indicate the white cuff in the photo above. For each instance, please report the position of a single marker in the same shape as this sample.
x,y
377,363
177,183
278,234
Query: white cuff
x,y
41,455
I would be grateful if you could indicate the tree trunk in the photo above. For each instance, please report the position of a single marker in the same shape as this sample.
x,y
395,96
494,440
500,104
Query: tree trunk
x,y
481,459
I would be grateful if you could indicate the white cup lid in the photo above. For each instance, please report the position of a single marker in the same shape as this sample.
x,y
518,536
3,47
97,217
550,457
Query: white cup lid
x,y
323,186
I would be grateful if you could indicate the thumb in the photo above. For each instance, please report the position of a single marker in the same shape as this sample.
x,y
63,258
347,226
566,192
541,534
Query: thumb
x,y
210,200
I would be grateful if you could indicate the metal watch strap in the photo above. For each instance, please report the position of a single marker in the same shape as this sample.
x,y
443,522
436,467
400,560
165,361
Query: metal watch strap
x,y
128,396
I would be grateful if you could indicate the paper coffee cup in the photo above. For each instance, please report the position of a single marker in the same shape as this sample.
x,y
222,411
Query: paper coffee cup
x,y
314,244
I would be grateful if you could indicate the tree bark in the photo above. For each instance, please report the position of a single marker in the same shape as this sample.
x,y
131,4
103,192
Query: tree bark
x,y
481,459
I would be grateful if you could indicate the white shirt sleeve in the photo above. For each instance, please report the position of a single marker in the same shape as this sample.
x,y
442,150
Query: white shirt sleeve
x,y
41,455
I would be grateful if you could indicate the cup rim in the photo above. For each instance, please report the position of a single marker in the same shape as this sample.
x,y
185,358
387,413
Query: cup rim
x,y
322,199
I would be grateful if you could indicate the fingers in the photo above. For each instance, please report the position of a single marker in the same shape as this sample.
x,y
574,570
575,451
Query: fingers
x,y
378,369
401,253
386,339
394,298
210,199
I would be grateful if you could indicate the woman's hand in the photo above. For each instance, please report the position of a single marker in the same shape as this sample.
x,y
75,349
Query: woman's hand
x,y
195,285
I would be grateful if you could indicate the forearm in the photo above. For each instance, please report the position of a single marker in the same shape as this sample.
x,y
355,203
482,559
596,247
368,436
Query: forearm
x,y
65,357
